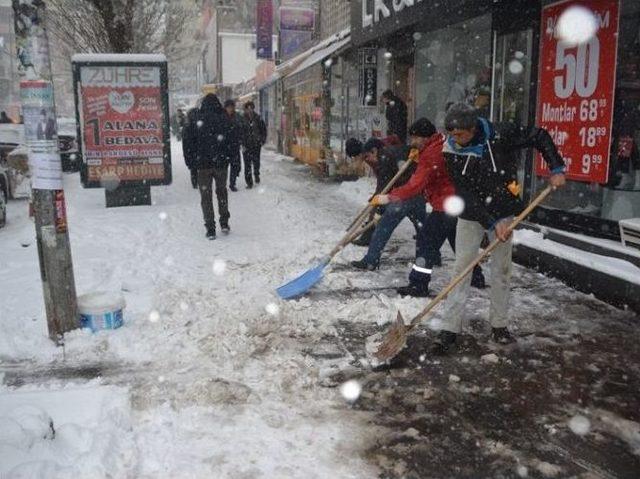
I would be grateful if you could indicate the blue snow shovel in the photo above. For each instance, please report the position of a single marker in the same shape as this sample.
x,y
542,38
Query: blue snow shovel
x,y
304,282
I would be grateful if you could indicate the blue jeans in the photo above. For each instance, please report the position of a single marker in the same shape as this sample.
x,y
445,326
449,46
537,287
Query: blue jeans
x,y
394,213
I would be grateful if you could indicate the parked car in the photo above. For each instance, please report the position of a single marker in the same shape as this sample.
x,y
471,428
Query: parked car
x,y
68,144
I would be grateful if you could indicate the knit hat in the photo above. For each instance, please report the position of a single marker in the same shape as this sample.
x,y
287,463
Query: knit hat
x,y
371,144
461,116
422,128
353,147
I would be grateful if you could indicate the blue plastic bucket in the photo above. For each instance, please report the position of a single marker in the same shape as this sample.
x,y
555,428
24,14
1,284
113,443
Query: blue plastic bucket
x,y
101,310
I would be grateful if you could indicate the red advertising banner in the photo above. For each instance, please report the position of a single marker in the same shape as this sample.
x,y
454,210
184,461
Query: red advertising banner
x,y
576,88
123,124
264,29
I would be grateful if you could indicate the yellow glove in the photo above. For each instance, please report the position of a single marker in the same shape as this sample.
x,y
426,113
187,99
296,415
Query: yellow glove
x,y
379,200
414,154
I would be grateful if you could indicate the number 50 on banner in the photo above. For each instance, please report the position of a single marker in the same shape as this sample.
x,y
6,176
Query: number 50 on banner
x,y
576,90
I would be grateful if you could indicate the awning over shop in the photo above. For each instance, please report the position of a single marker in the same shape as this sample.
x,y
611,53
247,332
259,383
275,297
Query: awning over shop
x,y
320,55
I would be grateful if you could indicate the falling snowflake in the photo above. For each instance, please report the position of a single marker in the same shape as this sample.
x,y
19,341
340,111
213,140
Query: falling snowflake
x,y
162,216
351,390
220,137
154,316
72,156
522,471
579,425
219,267
272,309
454,205
516,67
488,200
184,306
199,123
161,379
387,55
328,62
576,25
417,36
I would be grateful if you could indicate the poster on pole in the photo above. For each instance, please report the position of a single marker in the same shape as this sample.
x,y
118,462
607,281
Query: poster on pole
x,y
264,29
122,108
576,90
41,134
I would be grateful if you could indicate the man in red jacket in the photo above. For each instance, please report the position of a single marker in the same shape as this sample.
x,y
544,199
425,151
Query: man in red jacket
x,y
432,181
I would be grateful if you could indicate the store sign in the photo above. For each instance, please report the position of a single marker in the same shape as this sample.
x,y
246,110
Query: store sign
x,y
576,88
377,10
368,77
264,29
123,116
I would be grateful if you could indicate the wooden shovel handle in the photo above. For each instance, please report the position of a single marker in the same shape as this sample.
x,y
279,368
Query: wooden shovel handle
x,y
458,279
348,237
384,191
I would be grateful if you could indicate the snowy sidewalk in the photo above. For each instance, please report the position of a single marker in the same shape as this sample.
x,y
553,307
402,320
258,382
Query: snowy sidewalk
x,y
224,380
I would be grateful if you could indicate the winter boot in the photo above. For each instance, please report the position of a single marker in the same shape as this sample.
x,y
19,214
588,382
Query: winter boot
x,y
443,343
249,186
362,264
211,233
224,226
414,289
502,336
362,241
257,179
233,187
477,278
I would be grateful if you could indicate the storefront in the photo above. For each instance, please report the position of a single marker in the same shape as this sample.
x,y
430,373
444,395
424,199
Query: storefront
x,y
506,65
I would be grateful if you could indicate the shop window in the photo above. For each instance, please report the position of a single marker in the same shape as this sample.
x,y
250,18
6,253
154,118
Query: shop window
x,y
453,65
619,198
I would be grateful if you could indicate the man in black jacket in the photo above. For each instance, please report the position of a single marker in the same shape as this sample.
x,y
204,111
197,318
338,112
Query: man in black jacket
x,y
212,162
254,136
190,144
481,162
385,161
396,114
234,140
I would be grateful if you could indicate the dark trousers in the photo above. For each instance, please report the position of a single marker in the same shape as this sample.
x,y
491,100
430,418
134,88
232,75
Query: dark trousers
x,y
252,164
438,228
206,177
235,167
194,177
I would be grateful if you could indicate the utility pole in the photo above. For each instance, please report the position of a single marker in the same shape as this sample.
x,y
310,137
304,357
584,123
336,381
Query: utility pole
x,y
38,109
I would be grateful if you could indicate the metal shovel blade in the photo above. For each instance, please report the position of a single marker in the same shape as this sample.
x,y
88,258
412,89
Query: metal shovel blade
x,y
393,341
302,283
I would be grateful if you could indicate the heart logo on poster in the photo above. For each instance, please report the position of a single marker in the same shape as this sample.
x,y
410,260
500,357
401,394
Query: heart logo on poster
x,y
121,103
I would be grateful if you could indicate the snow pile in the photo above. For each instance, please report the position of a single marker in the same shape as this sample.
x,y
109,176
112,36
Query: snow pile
x,y
41,436
612,266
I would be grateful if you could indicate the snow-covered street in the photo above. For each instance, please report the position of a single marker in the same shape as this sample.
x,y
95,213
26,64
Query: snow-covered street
x,y
213,376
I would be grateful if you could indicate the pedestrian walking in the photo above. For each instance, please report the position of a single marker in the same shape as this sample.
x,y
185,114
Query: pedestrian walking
x,y
384,157
253,138
212,163
396,114
190,144
234,142
431,181
481,161
4,118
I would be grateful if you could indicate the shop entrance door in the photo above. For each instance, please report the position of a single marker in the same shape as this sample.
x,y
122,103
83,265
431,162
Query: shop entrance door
x,y
403,80
511,89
